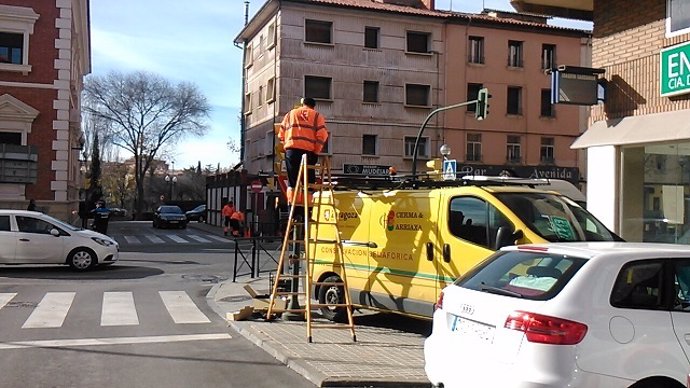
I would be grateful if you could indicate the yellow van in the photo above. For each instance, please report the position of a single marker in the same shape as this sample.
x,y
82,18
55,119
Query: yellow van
x,y
402,246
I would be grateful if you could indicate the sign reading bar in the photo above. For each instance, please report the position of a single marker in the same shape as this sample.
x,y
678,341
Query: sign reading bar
x,y
366,169
675,70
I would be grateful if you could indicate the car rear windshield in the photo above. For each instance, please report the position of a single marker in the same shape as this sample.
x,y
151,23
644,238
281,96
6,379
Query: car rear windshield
x,y
556,218
171,209
522,274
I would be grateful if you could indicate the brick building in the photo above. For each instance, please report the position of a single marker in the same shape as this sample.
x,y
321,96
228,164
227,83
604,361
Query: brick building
x,y
44,55
639,139
378,68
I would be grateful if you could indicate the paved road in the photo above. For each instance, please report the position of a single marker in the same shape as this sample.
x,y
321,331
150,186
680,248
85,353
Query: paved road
x,y
143,322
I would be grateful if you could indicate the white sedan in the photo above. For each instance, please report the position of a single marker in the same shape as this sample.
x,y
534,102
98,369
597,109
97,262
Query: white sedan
x,y
596,314
28,237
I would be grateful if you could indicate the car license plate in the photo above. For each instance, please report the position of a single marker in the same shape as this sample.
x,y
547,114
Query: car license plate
x,y
173,222
472,329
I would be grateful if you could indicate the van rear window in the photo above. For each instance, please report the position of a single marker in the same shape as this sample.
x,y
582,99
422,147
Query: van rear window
x,y
528,275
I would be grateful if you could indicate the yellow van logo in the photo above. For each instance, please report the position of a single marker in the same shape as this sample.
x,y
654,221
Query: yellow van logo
x,y
392,220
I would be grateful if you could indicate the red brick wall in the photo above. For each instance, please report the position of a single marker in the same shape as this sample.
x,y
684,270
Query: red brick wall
x,y
627,45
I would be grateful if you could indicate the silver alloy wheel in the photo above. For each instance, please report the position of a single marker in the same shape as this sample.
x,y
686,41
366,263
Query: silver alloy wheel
x,y
81,260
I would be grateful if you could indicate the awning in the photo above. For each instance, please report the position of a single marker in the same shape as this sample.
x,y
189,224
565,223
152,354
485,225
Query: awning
x,y
651,128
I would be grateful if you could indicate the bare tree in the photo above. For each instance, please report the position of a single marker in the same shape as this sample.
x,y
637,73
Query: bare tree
x,y
145,114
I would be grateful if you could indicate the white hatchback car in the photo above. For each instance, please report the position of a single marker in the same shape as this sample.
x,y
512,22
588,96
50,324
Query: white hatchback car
x,y
28,237
597,314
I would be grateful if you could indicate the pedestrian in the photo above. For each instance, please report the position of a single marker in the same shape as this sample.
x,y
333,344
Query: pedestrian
x,y
32,205
302,131
227,213
237,223
101,216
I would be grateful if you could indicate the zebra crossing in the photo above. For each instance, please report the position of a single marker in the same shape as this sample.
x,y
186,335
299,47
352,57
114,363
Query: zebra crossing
x,y
169,238
118,309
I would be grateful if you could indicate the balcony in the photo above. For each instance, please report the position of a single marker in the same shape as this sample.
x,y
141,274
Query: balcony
x,y
18,164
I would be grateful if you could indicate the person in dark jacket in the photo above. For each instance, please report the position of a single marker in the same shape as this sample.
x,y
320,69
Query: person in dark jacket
x,y
101,216
32,205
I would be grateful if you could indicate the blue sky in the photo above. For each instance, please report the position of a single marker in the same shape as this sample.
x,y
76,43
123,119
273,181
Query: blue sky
x,y
185,42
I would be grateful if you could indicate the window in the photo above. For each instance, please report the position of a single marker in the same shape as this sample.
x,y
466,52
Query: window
x,y
476,48
418,42
474,147
33,225
369,145
546,152
4,223
248,56
638,286
271,90
11,48
472,93
514,103
476,221
271,36
548,56
16,26
513,149
681,272
678,17
317,87
514,53
318,31
260,97
546,106
248,103
417,95
371,37
326,150
423,149
370,91
11,138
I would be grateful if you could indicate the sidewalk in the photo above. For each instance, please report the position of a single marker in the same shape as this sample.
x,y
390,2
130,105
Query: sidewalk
x,y
381,357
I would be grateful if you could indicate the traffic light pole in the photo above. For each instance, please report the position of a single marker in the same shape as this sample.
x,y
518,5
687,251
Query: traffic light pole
x,y
421,130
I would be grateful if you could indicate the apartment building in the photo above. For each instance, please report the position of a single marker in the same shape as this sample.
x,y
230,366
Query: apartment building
x,y
44,55
639,139
378,68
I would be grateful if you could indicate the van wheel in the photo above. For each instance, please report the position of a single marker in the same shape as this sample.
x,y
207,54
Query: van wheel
x,y
332,294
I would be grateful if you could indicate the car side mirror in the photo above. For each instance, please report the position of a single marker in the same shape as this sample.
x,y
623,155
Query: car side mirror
x,y
55,232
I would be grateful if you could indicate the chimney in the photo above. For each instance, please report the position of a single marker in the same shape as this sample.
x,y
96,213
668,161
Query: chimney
x,y
429,4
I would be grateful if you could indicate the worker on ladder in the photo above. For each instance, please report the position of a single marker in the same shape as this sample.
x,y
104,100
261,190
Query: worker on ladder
x,y
302,131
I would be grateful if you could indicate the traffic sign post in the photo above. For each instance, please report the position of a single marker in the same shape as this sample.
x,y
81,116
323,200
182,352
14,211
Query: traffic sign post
x,y
256,186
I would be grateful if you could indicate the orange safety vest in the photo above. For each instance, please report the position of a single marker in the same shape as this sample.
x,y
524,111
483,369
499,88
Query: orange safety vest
x,y
239,216
228,211
305,129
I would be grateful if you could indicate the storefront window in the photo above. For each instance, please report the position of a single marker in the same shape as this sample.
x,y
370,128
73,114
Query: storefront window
x,y
654,205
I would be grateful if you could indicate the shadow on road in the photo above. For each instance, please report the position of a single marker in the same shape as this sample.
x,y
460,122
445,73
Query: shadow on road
x,y
114,272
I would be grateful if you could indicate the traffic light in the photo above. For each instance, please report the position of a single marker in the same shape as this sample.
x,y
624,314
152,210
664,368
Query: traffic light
x,y
482,109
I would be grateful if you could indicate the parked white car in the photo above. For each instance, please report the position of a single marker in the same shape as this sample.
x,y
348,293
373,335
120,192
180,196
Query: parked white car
x,y
28,237
598,314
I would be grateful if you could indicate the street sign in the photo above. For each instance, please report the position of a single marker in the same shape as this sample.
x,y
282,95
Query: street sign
x,y
450,168
675,70
256,186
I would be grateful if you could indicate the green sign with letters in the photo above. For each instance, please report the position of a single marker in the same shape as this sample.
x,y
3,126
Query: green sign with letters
x,y
675,70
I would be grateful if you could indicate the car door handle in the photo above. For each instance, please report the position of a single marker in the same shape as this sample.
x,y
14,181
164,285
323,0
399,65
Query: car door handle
x,y
430,251
24,239
446,253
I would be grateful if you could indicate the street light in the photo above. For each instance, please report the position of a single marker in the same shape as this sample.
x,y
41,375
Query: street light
x,y
172,182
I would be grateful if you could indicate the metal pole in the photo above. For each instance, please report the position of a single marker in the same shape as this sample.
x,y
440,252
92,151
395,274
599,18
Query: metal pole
x,y
421,130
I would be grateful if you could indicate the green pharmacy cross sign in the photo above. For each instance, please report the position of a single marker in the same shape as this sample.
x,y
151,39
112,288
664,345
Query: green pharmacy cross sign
x,y
675,70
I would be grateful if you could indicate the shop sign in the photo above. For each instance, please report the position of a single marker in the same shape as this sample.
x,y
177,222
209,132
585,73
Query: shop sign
x,y
675,70
366,169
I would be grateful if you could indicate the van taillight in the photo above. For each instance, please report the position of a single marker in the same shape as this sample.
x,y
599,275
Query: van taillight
x,y
439,302
546,330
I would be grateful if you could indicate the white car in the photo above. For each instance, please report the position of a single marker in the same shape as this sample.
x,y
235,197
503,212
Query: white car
x,y
597,314
28,237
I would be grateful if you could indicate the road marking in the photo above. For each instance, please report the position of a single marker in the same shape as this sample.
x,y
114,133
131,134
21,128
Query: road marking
x,y
154,239
118,309
177,238
51,311
218,238
198,238
113,341
132,240
6,298
181,307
